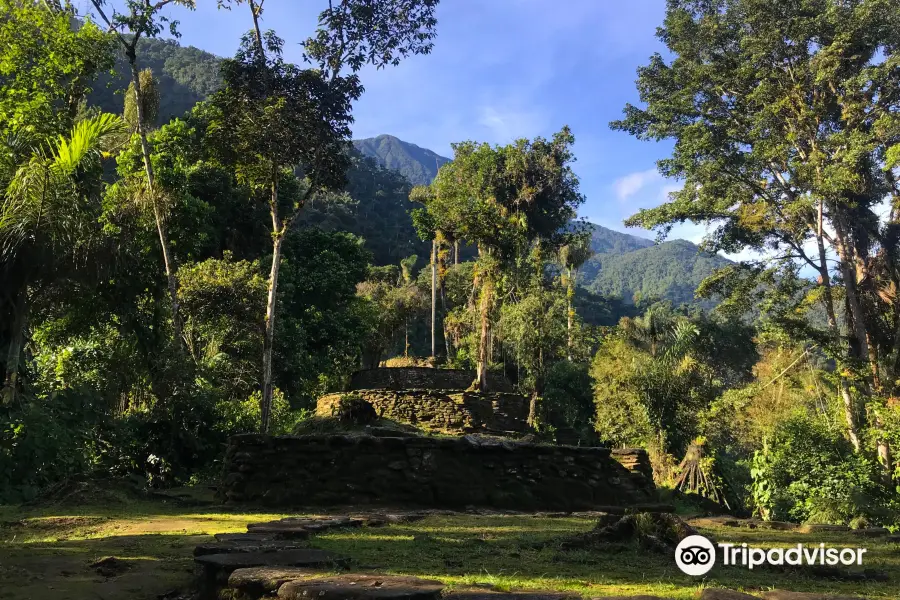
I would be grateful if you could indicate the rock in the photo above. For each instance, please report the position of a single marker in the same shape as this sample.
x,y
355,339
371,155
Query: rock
x,y
822,528
481,593
110,566
257,582
362,587
630,598
227,563
723,594
777,525
871,532
243,537
893,539
284,529
230,547
785,595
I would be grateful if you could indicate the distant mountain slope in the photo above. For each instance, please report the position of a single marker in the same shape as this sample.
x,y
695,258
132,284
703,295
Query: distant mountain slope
x,y
418,165
186,76
671,270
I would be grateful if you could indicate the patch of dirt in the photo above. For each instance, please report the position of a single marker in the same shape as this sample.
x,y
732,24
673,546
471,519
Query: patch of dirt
x,y
110,566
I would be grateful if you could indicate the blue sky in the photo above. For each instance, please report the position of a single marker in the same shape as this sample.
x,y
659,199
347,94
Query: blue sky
x,y
501,69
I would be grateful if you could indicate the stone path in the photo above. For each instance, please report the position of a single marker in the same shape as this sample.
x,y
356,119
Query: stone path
x,y
273,561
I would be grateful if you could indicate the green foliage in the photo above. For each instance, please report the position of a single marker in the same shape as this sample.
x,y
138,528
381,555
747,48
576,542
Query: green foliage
x,y
807,472
149,101
46,67
567,399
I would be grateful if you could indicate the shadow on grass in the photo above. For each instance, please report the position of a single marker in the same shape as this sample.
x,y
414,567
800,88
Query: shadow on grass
x,y
523,552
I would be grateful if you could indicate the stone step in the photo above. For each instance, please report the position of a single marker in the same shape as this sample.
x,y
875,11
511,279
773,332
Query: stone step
x,y
871,532
482,593
630,598
823,528
723,594
306,557
785,595
362,587
243,537
247,546
259,582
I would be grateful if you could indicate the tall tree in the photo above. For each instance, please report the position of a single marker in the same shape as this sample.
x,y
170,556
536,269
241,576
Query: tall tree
x,y
571,257
48,218
503,199
46,68
784,117
142,18
284,117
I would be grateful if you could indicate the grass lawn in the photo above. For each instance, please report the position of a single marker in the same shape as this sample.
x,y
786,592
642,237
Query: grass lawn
x,y
46,553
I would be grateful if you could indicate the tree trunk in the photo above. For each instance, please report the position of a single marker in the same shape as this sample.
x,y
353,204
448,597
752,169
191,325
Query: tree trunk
x,y
845,253
279,230
481,382
14,352
455,252
159,217
433,298
849,405
570,312
269,340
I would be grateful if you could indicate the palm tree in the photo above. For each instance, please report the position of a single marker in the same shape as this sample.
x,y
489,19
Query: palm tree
x,y
48,216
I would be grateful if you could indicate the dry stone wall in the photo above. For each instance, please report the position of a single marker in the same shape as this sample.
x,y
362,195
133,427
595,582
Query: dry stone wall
x,y
405,378
442,411
293,471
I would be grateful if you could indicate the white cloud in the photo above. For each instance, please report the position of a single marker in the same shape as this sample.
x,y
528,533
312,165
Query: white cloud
x,y
631,184
507,124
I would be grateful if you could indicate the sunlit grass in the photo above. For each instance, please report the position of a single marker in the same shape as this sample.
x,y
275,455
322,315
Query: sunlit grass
x,y
53,547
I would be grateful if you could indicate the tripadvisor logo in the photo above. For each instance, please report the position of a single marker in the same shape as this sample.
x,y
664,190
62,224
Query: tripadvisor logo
x,y
696,555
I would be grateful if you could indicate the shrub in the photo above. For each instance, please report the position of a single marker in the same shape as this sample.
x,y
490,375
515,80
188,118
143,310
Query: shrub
x,y
808,472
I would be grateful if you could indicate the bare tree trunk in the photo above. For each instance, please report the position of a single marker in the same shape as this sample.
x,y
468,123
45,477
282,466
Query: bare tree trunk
x,y
159,217
481,382
433,297
845,253
849,405
455,252
14,352
570,313
278,233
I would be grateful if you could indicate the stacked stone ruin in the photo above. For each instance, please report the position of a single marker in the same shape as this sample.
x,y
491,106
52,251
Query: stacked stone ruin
x,y
459,468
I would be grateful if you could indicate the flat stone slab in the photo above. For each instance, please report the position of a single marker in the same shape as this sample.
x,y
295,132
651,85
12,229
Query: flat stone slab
x,y
293,530
362,587
257,582
871,532
822,528
723,594
784,595
777,525
247,546
482,593
630,598
243,537
307,557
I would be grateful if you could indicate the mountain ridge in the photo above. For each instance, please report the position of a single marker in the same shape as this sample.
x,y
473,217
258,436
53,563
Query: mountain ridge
x,y
419,165
624,266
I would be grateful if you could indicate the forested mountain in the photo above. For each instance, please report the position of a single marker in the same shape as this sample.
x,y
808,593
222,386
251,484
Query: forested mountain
x,y
418,165
630,267
382,174
186,76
